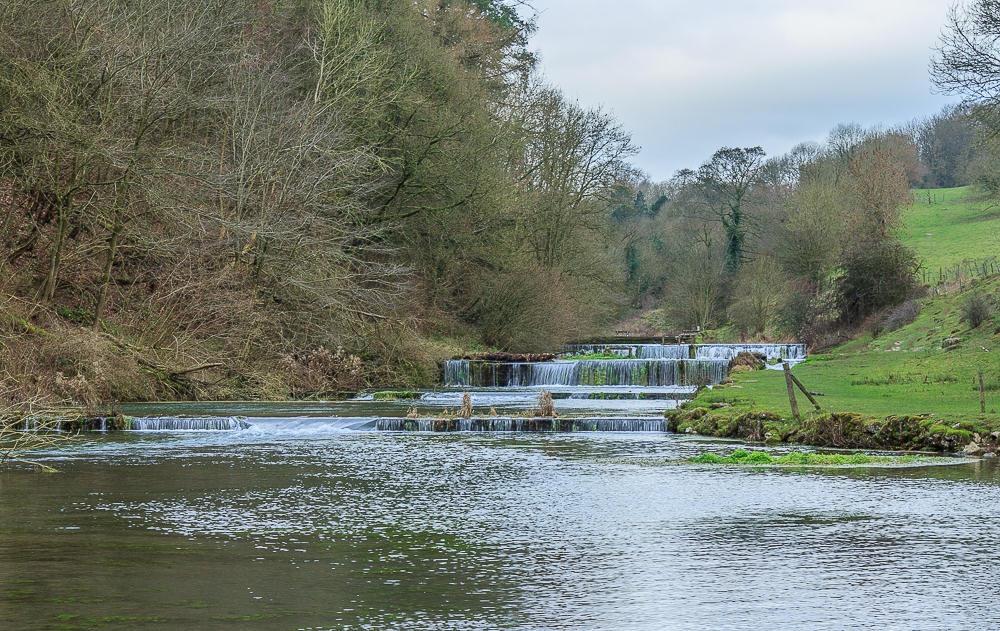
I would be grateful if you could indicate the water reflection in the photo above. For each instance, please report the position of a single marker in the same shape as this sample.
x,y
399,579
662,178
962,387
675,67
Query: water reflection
x,y
479,531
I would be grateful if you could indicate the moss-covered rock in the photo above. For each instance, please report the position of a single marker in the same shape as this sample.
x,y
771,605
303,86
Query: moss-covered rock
x,y
396,395
116,422
834,429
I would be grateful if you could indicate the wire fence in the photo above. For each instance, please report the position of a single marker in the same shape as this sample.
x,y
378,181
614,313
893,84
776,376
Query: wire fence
x,y
948,278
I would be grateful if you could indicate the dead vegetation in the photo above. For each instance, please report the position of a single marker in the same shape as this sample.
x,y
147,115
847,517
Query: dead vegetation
x,y
26,428
546,407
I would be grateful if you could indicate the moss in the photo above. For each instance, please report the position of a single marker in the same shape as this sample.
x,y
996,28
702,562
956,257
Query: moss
x,y
802,458
593,356
396,395
834,429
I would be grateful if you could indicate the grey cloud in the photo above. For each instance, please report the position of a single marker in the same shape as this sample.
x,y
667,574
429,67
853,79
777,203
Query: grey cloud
x,y
687,78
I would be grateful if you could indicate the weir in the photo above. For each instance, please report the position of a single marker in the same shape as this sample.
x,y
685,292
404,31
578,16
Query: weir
x,y
589,372
167,423
789,352
512,424
627,394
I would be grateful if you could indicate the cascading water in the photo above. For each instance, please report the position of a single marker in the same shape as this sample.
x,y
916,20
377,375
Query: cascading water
x,y
167,423
633,351
628,393
788,352
640,372
588,372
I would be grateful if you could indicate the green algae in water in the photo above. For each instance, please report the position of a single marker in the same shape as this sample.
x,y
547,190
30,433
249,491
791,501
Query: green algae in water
x,y
742,457
586,356
804,458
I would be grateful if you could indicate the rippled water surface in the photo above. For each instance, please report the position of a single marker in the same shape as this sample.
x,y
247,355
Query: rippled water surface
x,y
321,528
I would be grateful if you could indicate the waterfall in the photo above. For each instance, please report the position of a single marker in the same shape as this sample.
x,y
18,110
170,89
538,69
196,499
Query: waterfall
x,y
631,351
790,352
588,372
168,423
504,424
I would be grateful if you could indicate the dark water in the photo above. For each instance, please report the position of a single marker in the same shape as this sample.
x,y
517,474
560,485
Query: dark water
x,y
328,529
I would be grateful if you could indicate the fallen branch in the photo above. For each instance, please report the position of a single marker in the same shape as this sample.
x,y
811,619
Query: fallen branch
x,y
196,369
21,324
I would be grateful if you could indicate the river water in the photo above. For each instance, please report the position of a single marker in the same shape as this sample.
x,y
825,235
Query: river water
x,y
304,516
297,523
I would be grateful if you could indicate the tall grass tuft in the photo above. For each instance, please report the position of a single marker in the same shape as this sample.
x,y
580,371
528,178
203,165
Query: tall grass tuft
x,y
546,407
976,309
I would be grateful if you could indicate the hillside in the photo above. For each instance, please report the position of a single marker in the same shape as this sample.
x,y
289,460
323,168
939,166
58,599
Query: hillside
x,y
902,372
907,372
949,226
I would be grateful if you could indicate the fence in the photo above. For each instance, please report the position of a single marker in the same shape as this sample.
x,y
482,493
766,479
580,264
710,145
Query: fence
x,y
945,279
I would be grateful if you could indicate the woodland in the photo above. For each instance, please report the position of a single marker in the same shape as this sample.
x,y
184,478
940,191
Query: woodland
x,y
273,198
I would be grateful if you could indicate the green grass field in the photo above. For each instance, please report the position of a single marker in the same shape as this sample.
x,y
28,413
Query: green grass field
x,y
906,372
902,372
950,225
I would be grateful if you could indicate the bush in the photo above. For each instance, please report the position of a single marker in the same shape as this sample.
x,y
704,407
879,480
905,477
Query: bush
x,y
900,316
976,309
876,274
758,296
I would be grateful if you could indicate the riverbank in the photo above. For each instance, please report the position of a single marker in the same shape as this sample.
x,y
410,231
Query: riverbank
x,y
50,358
913,388
848,430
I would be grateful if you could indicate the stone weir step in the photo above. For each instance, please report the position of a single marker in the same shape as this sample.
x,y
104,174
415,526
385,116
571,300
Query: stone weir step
x,y
523,424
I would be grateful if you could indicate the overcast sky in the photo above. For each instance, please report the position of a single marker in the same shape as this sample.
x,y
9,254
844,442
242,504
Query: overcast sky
x,y
687,77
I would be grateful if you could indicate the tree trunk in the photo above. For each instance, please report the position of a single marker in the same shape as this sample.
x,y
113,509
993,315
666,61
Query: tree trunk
x,y
48,291
106,279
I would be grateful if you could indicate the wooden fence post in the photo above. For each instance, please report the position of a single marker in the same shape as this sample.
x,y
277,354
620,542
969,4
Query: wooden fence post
x,y
808,394
791,391
982,395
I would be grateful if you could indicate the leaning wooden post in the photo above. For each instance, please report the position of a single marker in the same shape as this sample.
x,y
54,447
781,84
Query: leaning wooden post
x,y
808,394
982,395
791,391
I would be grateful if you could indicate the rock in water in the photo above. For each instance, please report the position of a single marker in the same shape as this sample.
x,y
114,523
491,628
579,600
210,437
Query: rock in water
x,y
748,361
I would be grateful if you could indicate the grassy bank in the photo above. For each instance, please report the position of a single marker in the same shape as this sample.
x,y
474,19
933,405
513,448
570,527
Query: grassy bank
x,y
902,390
905,389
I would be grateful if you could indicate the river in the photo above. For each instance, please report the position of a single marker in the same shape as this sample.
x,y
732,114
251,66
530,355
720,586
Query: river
x,y
368,530
301,522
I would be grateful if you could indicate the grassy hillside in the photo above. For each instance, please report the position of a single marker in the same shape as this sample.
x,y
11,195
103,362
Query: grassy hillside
x,y
950,225
904,373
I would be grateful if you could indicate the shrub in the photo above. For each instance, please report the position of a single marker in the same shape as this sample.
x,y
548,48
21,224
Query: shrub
x,y
876,274
318,369
976,309
900,316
